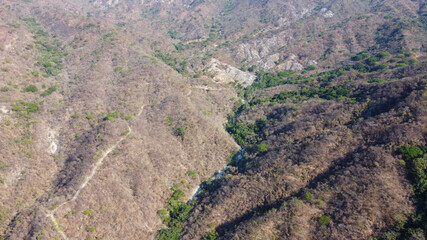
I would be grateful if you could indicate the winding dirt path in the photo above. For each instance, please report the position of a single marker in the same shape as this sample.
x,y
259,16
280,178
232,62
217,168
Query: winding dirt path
x,y
207,88
98,163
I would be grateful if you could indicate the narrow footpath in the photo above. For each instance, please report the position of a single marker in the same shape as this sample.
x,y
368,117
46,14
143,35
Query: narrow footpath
x,y
98,163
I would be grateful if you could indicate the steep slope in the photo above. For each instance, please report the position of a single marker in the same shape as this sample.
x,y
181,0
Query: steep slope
x,y
325,158
110,110
97,90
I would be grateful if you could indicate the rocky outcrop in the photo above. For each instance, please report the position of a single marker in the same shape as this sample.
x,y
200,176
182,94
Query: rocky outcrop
x,y
106,3
291,63
312,62
270,61
3,110
260,51
224,73
326,13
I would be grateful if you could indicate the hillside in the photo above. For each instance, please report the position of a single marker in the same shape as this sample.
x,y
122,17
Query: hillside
x,y
117,115
320,158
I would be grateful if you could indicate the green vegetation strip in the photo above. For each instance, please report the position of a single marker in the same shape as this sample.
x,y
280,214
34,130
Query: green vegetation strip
x,y
52,52
415,160
175,63
176,213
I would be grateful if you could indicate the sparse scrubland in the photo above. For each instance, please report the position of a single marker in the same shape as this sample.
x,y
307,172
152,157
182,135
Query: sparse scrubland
x,y
213,119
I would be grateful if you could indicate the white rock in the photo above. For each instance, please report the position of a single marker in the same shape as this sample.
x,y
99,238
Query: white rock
x,y
291,63
53,147
225,73
106,3
296,66
261,51
312,62
306,11
293,57
4,110
271,61
328,14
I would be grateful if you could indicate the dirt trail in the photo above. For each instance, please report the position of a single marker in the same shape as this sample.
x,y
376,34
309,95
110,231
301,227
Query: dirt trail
x,y
207,88
51,215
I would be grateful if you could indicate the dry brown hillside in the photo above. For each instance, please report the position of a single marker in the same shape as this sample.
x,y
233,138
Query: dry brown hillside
x,y
115,114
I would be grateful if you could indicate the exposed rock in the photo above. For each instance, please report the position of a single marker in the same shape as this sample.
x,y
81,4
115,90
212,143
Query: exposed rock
x,y
306,11
270,61
53,147
107,3
290,63
225,73
293,57
259,52
3,111
312,62
326,13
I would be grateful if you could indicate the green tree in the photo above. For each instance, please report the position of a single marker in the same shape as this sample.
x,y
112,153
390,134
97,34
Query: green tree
x,y
310,68
252,68
383,55
32,107
324,220
411,152
178,212
212,235
180,131
48,91
262,147
308,196
30,88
